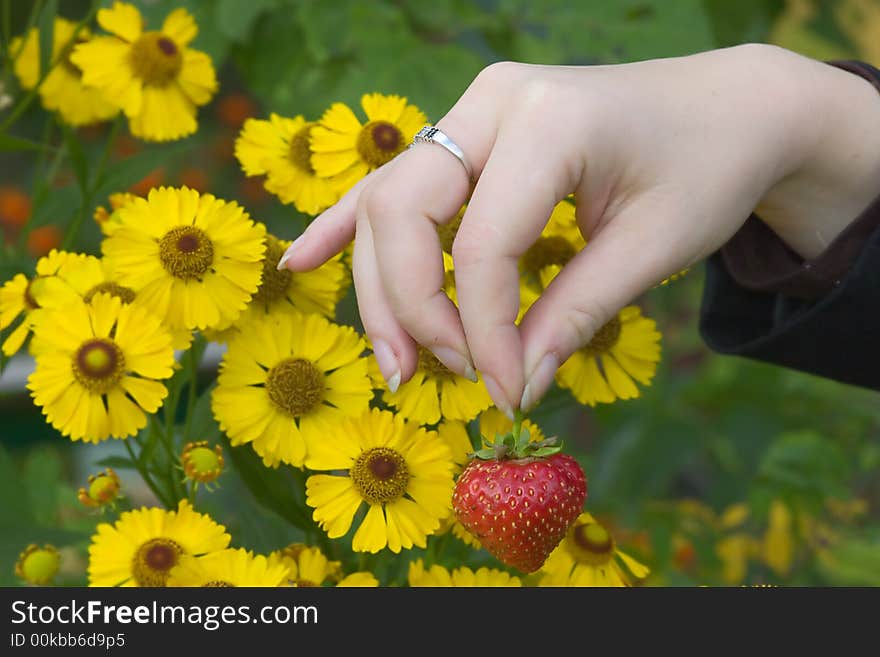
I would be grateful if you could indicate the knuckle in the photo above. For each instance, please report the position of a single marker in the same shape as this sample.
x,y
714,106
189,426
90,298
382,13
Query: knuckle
x,y
583,324
470,245
498,72
380,201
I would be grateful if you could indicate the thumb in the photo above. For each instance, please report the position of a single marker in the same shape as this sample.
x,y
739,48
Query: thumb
x,y
582,304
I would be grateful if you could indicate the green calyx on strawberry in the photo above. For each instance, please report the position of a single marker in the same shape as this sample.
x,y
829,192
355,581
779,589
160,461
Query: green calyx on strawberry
x,y
519,498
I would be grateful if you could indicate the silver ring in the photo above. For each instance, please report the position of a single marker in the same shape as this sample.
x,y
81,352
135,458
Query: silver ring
x,y
431,135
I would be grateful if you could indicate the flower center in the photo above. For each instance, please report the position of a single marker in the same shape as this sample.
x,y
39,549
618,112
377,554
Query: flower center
x,y
300,152
380,475
186,252
274,284
154,560
98,365
201,462
592,544
546,251
125,294
430,364
295,386
217,583
303,583
155,59
605,338
379,142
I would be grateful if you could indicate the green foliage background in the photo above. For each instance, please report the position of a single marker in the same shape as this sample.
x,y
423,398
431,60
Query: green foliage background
x,y
719,430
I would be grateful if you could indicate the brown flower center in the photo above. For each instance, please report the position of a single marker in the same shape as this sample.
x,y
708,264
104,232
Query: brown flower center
x,y
296,386
300,152
380,475
154,560
186,252
379,142
125,294
430,364
274,283
217,583
98,365
155,59
546,251
605,338
591,544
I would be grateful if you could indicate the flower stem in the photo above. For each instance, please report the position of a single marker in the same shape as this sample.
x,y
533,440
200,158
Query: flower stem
x,y
145,475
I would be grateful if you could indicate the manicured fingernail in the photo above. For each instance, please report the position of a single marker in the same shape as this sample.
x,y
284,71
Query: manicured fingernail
x,y
455,361
539,381
288,253
388,364
498,396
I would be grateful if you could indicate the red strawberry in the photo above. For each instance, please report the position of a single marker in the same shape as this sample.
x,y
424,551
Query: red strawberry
x,y
519,499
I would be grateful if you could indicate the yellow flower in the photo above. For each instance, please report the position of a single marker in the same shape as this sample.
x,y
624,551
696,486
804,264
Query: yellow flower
x,y
437,575
152,76
626,348
108,221
38,565
226,568
493,422
588,556
27,299
315,291
400,471
103,490
345,149
96,374
434,391
279,149
307,566
286,381
193,259
779,540
144,545
454,434
559,242
62,89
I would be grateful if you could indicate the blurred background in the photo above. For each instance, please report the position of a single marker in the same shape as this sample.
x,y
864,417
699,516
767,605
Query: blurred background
x,y
724,472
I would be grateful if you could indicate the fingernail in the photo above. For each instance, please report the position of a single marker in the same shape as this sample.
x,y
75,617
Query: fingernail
x,y
288,253
498,396
539,381
388,364
455,361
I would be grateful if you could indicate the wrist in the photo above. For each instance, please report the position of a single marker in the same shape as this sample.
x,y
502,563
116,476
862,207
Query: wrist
x,y
835,174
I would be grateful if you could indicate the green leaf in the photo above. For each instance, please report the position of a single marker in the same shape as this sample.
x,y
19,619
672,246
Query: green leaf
x,y
743,21
281,490
234,18
41,476
805,463
117,463
11,143
46,27
77,159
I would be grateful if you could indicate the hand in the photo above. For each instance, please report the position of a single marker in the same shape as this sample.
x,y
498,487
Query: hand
x,y
666,159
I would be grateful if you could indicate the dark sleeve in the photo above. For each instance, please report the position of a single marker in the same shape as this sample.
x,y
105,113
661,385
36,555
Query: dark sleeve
x,y
762,301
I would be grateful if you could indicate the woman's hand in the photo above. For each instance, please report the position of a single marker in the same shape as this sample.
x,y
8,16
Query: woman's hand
x,y
666,159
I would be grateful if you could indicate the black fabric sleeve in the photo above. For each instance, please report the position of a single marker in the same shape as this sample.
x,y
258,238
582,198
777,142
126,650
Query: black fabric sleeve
x,y
821,316
837,337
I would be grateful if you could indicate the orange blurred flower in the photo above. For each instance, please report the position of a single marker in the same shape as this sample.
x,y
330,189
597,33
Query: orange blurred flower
x,y
194,178
252,191
15,206
42,240
153,179
125,146
234,108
